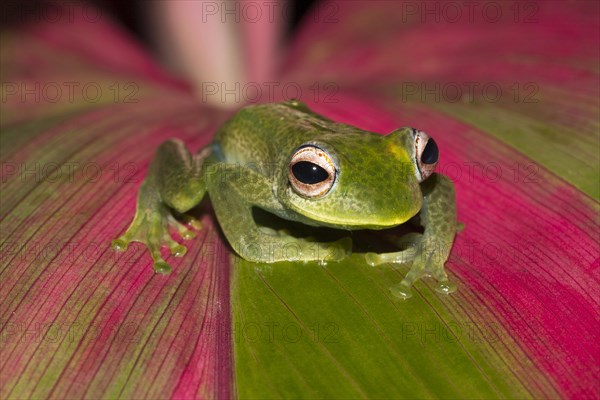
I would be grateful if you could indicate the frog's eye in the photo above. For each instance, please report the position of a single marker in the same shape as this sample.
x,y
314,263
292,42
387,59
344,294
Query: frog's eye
x,y
426,153
312,172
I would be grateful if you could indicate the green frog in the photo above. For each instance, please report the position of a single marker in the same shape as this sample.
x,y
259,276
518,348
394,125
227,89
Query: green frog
x,y
319,173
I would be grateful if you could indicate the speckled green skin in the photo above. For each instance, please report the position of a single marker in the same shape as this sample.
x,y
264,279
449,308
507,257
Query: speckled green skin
x,y
246,166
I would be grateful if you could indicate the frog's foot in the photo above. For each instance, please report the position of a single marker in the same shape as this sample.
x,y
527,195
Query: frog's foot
x,y
422,267
309,249
409,242
181,228
398,257
278,247
274,232
151,227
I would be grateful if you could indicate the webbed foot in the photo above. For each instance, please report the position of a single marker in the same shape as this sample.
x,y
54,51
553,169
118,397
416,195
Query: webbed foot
x,y
151,227
424,265
425,262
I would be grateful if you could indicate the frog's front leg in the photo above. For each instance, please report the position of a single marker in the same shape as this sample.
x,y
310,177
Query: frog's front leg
x,y
429,251
174,183
234,190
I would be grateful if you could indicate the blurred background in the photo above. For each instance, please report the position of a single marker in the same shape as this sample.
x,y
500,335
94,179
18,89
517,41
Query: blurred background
x,y
198,41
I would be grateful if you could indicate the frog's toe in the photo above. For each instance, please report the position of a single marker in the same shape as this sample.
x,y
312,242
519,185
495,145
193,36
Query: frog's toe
x,y
188,235
182,229
194,222
445,287
268,231
373,259
161,267
119,244
401,291
398,257
178,250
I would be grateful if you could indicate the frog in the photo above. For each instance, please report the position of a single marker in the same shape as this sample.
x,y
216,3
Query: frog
x,y
322,174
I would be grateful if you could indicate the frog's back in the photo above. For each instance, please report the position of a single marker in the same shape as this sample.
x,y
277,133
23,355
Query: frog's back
x,y
259,133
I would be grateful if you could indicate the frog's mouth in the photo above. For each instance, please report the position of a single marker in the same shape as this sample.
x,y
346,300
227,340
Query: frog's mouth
x,y
393,212
366,223
379,239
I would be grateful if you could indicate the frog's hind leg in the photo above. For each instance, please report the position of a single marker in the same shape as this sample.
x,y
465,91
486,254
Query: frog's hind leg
x,y
174,182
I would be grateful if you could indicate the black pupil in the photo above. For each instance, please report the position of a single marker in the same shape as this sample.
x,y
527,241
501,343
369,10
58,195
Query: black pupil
x,y
309,173
430,153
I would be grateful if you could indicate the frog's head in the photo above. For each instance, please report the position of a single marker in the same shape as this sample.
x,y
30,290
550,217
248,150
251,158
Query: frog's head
x,y
357,179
